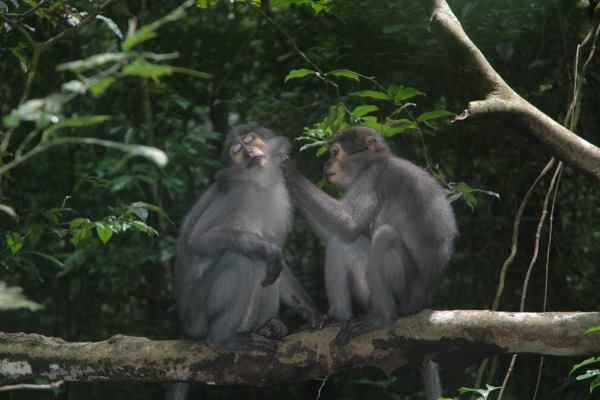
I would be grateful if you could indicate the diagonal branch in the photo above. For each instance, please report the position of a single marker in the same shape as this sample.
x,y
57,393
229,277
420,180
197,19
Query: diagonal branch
x,y
503,104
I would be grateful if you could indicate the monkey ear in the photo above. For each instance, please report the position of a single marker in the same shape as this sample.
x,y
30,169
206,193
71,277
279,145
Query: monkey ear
x,y
371,143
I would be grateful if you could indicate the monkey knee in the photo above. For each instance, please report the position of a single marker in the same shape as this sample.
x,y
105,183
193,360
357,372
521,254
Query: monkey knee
x,y
385,237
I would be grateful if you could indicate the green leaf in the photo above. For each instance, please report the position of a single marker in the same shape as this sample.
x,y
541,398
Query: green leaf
x,y
593,329
142,227
595,383
147,70
76,121
346,73
361,111
158,156
92,62
203,4
104,231
299,73
34,233
483,392
14,241
20,52
151,207
111,25
394,127
12,298
589,374
48,257
279,3
399,93
8,210
434,114
100,86
143,34
584,363
148,32
373,94
80,230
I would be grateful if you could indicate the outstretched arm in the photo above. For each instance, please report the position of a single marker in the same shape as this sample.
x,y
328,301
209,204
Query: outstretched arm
x,y
345,221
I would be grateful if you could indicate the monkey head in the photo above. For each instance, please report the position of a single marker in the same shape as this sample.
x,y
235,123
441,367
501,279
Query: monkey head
x,y
350,151
252,146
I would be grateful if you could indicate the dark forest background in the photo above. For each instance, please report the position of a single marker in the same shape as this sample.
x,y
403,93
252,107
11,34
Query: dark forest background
x,y
231,67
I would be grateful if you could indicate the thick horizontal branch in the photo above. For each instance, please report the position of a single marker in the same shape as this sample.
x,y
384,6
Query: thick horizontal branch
x,y
455,337
501,103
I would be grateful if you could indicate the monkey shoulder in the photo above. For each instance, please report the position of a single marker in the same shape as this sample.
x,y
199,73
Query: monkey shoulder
x,y
407,175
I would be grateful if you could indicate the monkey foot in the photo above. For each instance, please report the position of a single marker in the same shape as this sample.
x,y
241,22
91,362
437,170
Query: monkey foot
x,y
273,329
357,327
244,341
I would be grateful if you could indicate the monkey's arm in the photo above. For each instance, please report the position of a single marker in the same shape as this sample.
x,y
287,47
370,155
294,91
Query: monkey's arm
x,y
294,295
347,220
215,241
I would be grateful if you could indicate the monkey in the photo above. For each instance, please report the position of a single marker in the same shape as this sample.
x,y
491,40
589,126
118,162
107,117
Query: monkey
x,y
229,275
389,238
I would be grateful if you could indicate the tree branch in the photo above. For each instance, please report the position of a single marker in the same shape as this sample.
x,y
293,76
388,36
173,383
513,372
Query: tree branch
x,y
503,104
449,337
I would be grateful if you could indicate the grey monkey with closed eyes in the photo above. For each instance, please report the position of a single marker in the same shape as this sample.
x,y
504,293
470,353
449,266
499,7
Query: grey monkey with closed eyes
x,y
230,276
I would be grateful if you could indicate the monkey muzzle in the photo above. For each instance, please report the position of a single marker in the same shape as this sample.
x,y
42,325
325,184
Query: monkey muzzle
x,y
256,161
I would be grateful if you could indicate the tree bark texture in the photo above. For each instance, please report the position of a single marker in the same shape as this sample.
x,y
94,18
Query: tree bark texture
x,y
499,102
453,338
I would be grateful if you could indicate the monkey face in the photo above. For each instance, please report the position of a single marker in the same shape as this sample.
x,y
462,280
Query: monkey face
x,y
334,170
348,157
248,150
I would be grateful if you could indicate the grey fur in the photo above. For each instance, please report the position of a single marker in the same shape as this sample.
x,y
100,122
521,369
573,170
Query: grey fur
x,y
389,238
229,276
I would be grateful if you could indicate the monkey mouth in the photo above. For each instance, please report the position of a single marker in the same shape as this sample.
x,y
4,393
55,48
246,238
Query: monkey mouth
x,y
257,161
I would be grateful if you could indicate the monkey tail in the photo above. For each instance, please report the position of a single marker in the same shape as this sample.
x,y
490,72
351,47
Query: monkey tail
x,y
431,380
178,391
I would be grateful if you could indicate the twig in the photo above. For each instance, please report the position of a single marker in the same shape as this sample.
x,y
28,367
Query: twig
x,y
53,385
91,17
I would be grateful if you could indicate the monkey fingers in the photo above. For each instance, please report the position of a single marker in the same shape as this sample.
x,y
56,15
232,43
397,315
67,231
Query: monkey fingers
x,y
254,341
288,166
283,158
274,266
357,327
274,329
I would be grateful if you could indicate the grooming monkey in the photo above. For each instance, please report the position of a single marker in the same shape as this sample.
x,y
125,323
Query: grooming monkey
x,y
389,238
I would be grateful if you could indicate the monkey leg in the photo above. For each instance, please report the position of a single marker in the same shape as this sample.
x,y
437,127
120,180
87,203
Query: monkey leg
x,y
345,275
431,380
386,275
237,303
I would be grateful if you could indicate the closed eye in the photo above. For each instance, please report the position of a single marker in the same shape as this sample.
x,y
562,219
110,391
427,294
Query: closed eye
x,y
237,147
248,139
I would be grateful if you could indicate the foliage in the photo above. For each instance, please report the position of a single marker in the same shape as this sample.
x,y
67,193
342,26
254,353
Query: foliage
x,y
589,374
482,393
12,298
88,228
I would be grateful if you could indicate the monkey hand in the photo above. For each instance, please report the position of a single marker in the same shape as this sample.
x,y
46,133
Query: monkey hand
x,y
287,165
282,157
274,262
